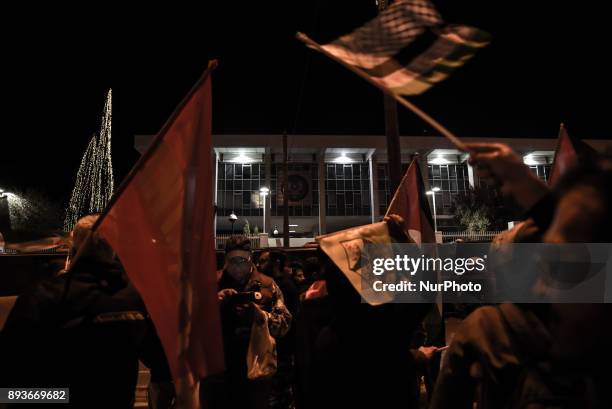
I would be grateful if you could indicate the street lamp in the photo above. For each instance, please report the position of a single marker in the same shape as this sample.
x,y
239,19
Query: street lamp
x,y
263,191
232,219
433,192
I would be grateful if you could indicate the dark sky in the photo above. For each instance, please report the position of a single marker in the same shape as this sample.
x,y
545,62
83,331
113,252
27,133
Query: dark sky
x,y
548,63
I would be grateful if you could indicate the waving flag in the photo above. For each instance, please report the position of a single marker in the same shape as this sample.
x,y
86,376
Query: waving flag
x,y
352,249
406,49
411,203
160,224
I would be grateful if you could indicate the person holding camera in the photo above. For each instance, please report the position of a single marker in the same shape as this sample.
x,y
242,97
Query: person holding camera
x,y
246,295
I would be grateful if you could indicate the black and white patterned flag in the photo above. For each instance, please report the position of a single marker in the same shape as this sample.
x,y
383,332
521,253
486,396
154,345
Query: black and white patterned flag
x,y
406,48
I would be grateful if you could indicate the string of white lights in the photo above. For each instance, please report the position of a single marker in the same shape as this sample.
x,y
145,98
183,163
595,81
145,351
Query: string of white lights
x,y
94,184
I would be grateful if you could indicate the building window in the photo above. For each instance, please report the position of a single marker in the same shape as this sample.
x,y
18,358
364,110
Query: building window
x,y
347,189
541,171
452,179
238,189
383,187
303,190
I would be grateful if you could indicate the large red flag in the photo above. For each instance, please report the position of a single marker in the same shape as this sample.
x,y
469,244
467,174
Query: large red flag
x,y
160,224
566,155
411,203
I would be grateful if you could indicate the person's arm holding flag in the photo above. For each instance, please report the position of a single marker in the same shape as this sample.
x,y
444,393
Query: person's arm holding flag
x,y
397,228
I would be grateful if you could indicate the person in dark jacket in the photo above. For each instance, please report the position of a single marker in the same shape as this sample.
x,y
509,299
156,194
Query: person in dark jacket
x,y
314,314
362,358
541,355
239,276
273,264
85,330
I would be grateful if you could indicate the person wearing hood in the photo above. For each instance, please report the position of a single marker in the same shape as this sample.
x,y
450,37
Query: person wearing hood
x,y
537,355
85,330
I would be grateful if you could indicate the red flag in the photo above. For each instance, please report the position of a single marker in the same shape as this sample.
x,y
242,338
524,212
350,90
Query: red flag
x,y
566,155
411,203
160,224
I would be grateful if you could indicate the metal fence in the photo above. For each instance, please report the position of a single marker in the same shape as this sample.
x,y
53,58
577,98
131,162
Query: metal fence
x,y
473,237
219,243
222,238
13,252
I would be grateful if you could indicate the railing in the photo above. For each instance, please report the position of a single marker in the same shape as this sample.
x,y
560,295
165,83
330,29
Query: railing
x,y
222,238
13,252
473,237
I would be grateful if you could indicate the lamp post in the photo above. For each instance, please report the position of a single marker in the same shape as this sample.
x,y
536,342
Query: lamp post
x,y
232,219
433,192
263,191
5,216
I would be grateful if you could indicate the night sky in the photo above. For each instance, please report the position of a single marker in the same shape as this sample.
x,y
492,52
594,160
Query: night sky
x,y
548,63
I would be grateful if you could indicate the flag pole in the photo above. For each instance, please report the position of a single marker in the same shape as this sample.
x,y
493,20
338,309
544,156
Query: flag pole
x,y
407,104
286,235
187,385
394,152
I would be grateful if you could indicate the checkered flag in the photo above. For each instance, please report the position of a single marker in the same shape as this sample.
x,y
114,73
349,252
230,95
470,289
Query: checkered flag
x,y
406,49
393,29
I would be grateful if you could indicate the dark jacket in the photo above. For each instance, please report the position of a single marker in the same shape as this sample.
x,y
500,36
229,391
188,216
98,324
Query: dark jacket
x,y
85,330
237,328
362,357
503,357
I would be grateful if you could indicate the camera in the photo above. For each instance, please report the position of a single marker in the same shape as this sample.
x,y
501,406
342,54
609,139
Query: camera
x,y
247,297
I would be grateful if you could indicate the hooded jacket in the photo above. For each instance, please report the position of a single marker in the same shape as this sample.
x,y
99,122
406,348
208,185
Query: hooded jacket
x,y
85,330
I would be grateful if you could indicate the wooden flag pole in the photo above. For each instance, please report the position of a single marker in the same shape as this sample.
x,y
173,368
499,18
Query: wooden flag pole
x,y
435,124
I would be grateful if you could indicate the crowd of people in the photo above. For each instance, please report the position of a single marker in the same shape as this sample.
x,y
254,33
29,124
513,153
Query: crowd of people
x,y
88,328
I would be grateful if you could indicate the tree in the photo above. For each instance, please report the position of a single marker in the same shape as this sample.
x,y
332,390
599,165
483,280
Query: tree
x,y
247,228
94,182
474,210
